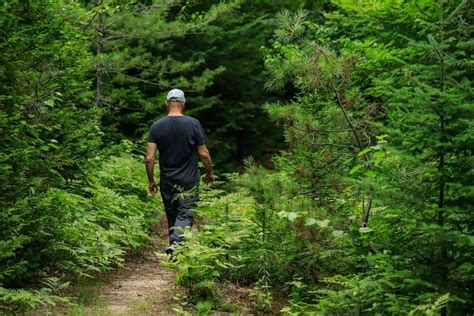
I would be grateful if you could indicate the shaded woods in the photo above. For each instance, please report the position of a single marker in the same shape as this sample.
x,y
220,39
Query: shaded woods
x,y
360,110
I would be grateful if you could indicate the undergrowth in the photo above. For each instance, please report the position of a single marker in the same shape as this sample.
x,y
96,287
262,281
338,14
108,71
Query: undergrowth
x,y
258,237
73,232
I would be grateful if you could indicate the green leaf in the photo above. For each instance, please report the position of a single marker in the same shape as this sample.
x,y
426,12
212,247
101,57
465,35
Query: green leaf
x,y
363,152
365,230
323,223
378,154
370,173
310,221
292,216
471,240
355,169
49,102
204,306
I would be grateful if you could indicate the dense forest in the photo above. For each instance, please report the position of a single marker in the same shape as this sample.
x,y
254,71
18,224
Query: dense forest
x,y
341,132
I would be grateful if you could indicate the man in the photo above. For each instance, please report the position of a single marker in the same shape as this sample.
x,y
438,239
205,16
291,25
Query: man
x,y
181,141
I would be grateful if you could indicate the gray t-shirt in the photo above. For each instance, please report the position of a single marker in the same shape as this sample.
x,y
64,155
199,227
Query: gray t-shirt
x,y
177,138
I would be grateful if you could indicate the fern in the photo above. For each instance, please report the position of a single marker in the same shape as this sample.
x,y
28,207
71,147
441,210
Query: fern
x,y
78,232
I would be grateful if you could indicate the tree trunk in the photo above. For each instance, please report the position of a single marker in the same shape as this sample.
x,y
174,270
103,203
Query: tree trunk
x,y
442,156
367,206
99,67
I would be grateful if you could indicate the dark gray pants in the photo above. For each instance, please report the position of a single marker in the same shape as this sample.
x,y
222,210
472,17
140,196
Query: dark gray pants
x,y
179,202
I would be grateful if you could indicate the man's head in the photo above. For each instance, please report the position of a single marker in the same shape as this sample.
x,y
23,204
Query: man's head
x,y
175,100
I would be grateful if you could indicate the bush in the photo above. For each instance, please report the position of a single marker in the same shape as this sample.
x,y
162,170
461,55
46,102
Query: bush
x,y
75,232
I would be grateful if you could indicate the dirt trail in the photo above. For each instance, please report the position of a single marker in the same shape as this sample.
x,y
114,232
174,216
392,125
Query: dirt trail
x,y
144,286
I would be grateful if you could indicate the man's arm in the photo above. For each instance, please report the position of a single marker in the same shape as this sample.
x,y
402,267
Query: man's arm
x,y
207,161
150,167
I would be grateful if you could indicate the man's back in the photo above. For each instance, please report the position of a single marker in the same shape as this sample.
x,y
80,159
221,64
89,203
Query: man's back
x,y
181,142
177,138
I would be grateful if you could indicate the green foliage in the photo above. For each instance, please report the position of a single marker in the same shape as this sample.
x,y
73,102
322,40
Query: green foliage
x,y
199,272
210,50
47,126
382,290
255,237
208,254
425,113
400,71
29,298
78,233
375,102
145,54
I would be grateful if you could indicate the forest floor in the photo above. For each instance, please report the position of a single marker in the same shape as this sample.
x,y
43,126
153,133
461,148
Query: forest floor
x,y
142,287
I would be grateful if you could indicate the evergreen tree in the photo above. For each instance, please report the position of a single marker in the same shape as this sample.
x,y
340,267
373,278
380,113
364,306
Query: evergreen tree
x,y
142,52
429,101
47,124
412,77
238,122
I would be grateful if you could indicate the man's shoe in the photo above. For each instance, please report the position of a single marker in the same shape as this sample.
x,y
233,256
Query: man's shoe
x,y
171,248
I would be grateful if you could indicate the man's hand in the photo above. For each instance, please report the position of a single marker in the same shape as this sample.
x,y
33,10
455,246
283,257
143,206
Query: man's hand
x,y
150,167
152,188
209,178
207,162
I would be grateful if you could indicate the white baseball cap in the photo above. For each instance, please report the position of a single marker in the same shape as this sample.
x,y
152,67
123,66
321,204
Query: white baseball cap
x,y
176,94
